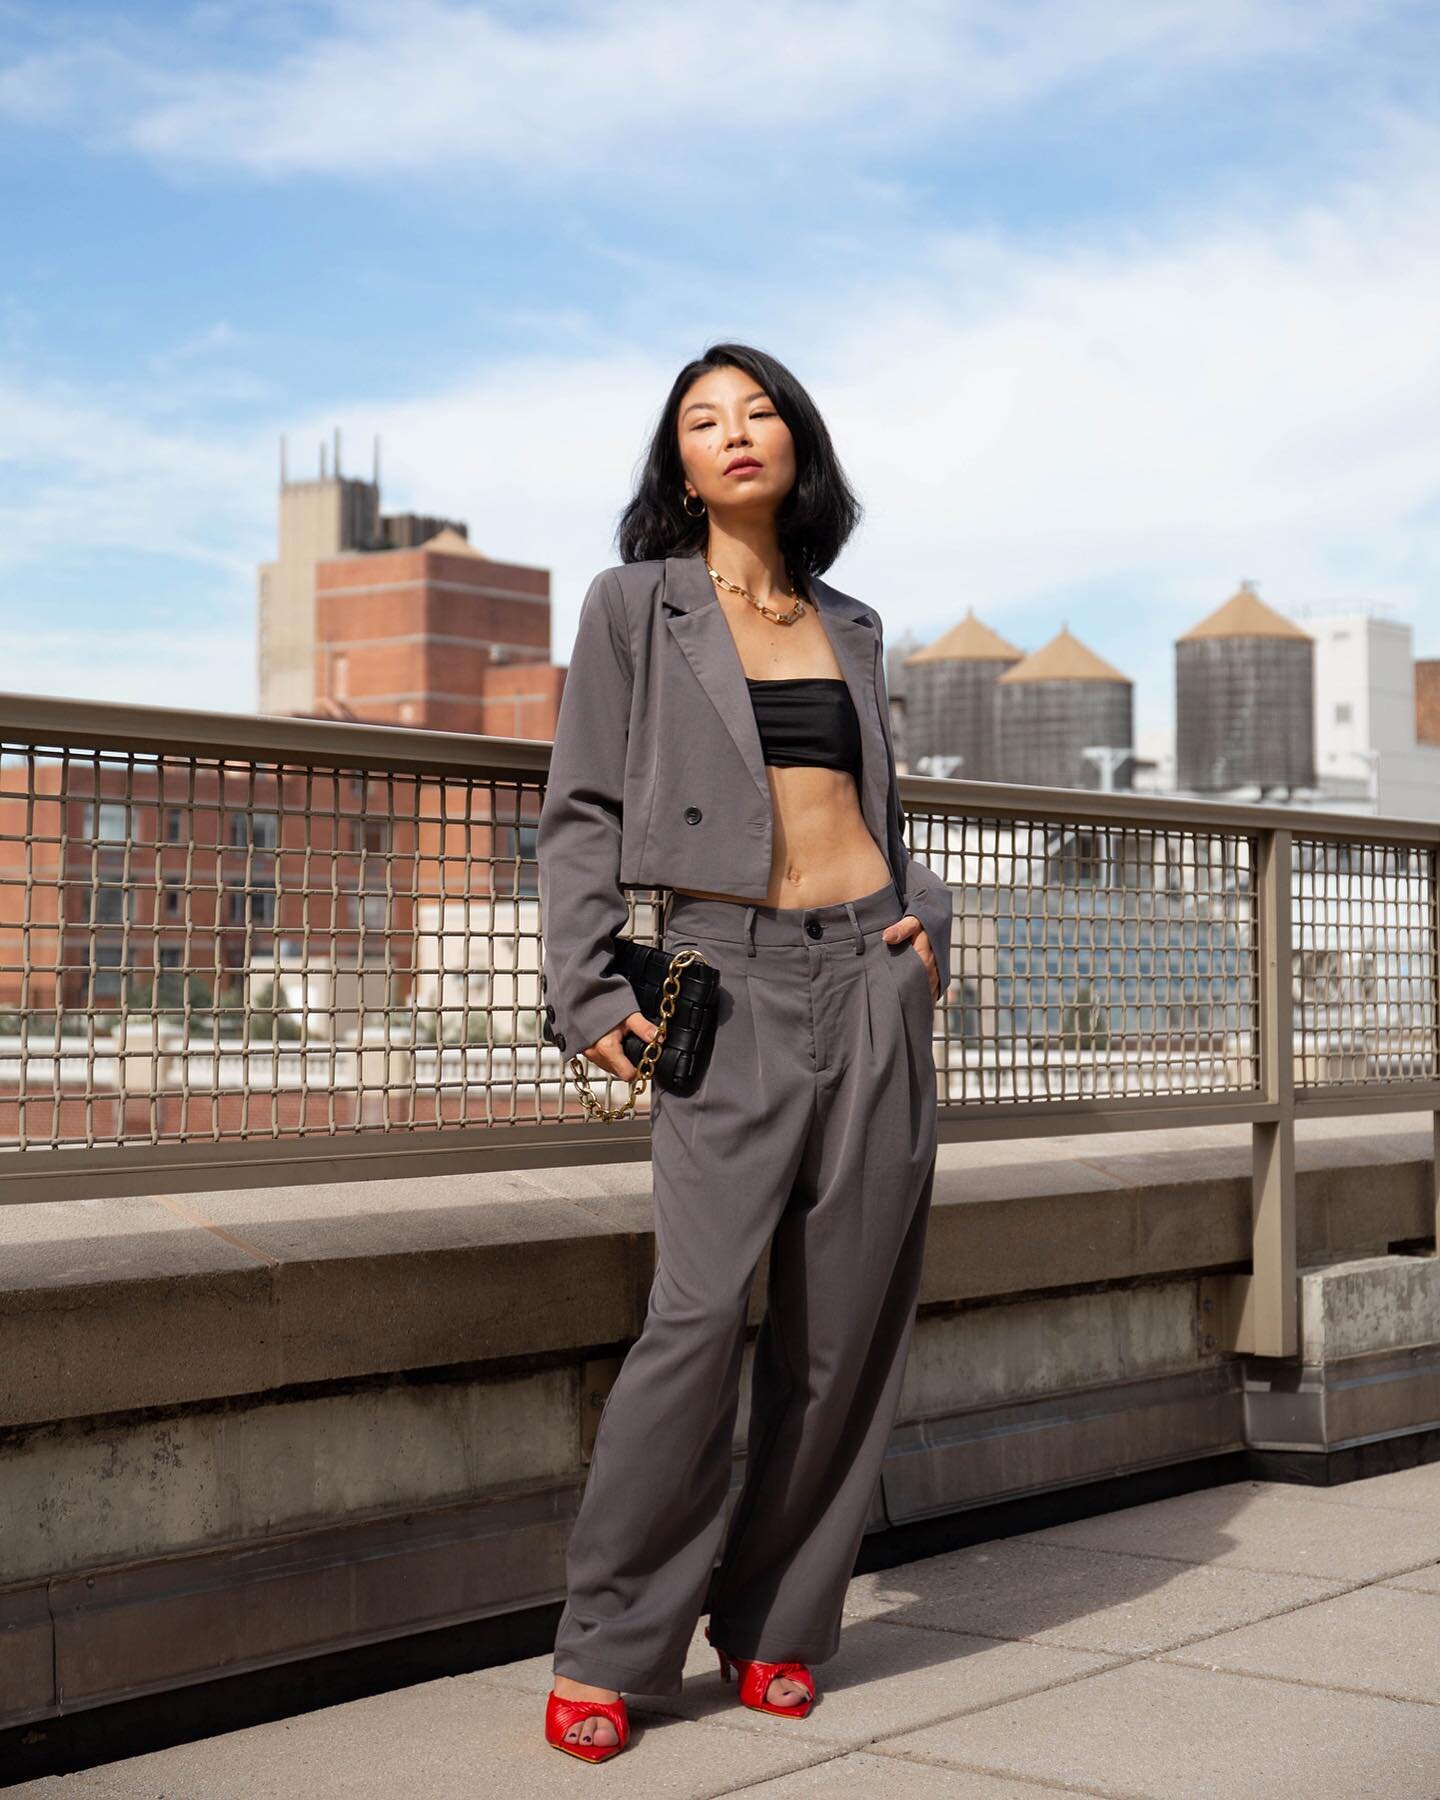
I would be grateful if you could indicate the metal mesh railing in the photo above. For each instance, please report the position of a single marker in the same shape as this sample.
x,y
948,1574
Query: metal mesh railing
x,y
1096,960
330,931
210,947
1364,967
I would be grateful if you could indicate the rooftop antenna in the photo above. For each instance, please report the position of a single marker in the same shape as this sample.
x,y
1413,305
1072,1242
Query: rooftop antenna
x,y
376,477
283,476
337,452
322,459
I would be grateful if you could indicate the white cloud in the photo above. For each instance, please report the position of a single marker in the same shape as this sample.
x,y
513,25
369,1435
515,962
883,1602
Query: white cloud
x,y
640,86
106,472
211,340
212,670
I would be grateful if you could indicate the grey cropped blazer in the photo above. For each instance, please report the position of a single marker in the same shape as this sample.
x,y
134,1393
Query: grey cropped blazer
x,y
656,777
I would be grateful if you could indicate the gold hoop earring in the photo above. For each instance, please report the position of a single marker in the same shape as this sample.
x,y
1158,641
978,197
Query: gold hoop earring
x,y
685,503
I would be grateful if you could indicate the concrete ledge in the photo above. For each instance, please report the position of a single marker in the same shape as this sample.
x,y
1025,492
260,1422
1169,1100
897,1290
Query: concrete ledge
x,y
151,1626
273,1288
1369,1363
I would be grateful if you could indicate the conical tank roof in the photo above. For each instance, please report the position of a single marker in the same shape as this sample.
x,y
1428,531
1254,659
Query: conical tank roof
x,y
450,541
969,641
1064,658
1244,615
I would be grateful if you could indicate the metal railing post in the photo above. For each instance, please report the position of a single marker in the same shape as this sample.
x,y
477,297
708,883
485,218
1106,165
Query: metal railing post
x,y
1432,856
1268,1319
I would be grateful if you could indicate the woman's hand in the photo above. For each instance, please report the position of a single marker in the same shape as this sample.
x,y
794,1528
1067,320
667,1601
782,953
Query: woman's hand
x,y
609,1055
910,927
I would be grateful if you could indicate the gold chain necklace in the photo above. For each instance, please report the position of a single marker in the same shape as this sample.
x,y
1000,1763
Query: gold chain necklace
x,y
796,611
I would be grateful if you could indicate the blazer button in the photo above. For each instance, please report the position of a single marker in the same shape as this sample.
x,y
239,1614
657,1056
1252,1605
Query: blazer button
x,y
693,815
549,1012
542,982
559,1040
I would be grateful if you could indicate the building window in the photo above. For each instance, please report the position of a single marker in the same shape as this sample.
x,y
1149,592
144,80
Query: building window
x,y
515,859
173,825
111,904
368,910
261,904
108,822
172,903
254,830
105,972
1342,712
171,956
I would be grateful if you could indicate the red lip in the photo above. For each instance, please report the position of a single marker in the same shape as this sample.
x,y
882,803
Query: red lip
x,y
743,462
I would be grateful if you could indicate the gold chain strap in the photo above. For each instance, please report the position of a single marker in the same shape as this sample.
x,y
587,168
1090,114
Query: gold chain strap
x,y
595,1109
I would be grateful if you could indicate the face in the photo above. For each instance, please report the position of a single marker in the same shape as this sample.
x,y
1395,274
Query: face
x,y
737,452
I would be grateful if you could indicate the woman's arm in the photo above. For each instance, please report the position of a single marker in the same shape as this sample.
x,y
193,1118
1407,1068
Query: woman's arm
x,y
577,843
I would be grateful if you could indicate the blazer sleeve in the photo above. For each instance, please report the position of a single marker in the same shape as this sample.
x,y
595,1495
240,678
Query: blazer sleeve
x,y
577,840
924,893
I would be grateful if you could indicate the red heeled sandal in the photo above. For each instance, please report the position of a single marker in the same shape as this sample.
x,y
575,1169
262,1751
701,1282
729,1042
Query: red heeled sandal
x,y
755,1679
561,1714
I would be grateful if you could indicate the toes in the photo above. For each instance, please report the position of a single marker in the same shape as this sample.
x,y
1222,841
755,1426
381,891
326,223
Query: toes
x,y
592,1731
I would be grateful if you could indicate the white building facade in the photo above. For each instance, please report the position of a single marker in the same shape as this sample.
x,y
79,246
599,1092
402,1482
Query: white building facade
x,y
1367,756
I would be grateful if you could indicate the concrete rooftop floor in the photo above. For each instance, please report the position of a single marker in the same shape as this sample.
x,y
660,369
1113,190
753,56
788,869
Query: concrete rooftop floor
x,y
1258,1641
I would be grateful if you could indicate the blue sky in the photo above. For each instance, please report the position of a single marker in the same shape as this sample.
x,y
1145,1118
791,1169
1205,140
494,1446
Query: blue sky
x,y
1108,304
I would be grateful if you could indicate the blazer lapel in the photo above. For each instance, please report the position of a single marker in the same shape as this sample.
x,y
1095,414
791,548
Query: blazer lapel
x,y
856,644
698,625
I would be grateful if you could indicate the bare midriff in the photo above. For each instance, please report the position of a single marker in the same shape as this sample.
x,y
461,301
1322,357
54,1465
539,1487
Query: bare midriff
x,y
822,852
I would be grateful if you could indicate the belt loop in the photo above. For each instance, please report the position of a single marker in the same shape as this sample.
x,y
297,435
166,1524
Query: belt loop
x,y
750,930
855,926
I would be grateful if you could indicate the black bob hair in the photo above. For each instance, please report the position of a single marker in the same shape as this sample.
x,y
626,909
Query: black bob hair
x,y
812,521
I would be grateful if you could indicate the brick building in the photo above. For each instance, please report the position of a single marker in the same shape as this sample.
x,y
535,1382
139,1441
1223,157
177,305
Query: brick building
x,y
438,636
115,877
399,619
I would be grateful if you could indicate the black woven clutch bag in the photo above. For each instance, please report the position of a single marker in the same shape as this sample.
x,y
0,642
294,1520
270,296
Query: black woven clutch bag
x,y
688,1033
691,1031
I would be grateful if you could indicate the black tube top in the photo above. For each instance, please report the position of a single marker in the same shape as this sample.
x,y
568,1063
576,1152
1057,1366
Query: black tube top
x,y
806,721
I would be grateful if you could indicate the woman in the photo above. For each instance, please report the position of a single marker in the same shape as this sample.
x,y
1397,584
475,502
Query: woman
x,y
714,665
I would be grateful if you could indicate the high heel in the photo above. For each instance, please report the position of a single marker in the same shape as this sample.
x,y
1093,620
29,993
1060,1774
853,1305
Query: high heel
x,y
561,1714
755,1679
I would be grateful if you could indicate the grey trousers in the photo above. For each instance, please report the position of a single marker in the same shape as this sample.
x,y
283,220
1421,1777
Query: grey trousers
x,y
812,1131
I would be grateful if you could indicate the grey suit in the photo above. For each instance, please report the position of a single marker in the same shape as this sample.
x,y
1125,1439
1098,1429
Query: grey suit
x,y
812,1132
657,779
